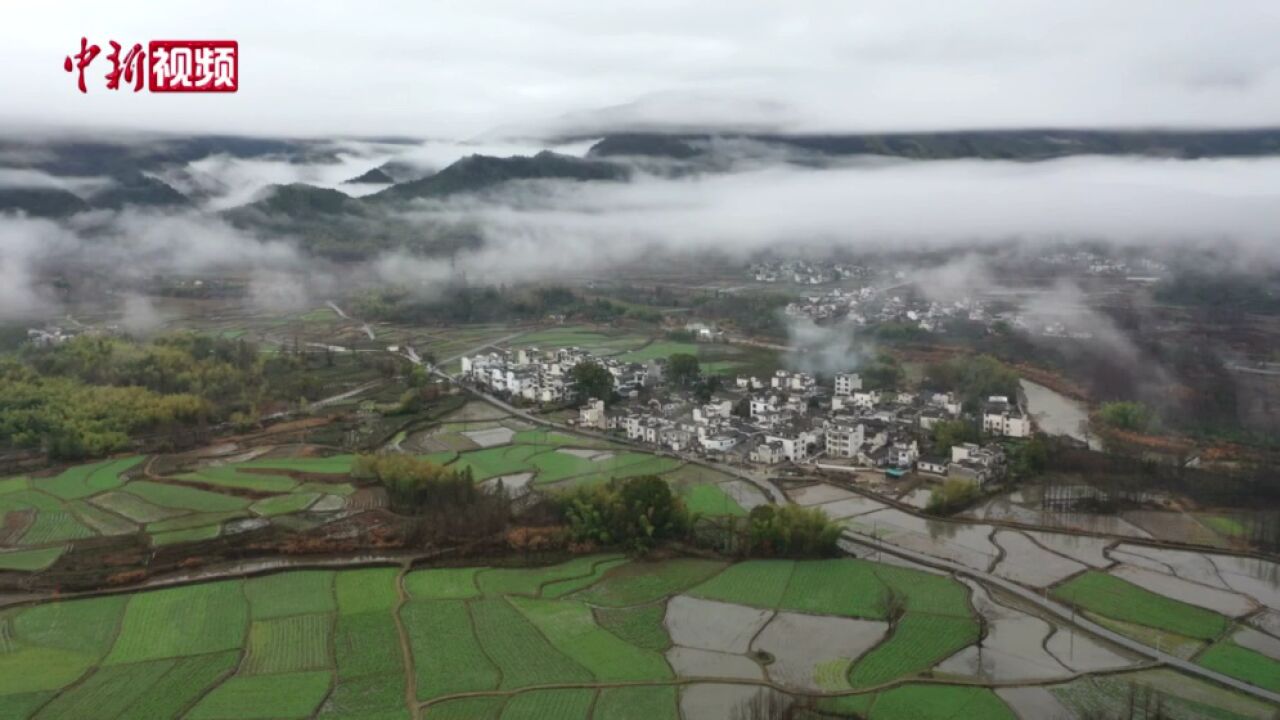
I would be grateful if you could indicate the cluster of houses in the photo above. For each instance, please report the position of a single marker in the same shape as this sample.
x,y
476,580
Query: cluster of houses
x,y
866,305
804,272
787,417
543,377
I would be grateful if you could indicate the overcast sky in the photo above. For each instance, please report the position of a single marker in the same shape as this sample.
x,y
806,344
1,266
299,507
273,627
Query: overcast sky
x,y
463,69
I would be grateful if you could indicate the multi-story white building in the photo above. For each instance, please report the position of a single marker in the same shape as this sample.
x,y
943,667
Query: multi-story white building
x,y
844,440
1000,417
847,384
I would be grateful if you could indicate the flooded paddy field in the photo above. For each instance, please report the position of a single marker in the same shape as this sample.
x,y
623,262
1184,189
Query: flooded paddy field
x,y
1030,564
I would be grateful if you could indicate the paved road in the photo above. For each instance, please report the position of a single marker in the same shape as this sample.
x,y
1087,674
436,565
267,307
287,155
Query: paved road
x,y
1065,614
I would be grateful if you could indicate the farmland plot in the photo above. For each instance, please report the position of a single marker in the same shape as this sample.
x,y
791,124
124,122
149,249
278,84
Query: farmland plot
x,y
447,656
568,704
521,653
572,630
760,583
711,625
295,695
1012,650
1081,548
640,625
443,583
636,703
365,644
189,620
708,664
1221,601
1125,601
288,645
366,590
290,593
802,645
918,641
1028,563
1240,662
641,583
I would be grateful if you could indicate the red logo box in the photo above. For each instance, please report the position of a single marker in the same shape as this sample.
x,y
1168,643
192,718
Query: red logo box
x,y
193,66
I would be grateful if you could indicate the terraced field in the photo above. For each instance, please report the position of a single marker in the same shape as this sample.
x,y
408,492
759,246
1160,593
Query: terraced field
x,y
587,638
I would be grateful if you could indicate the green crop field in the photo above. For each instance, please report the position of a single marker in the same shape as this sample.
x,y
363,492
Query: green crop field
x,y
571,629
521,653
640,625
1253,667
361,643
366,590
84,480
443,583
566,586
283,504
759,583
447,656
184,498
636,703
134,508
195,534
101,521
295,695
54,527
710,500
566,704
233,477
642,583
332,465
188,620
30,560
917,643
530,581
584,638
288,644
1116,598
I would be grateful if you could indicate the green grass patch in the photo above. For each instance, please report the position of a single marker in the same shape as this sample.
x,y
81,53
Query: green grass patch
x,y
640,625
918,642
835,587
84,626
31,560
290,593
443,583
1239,662
636,703
641,583
522,654
288,644
366,590
232,477
264,696
496,461
924,592
184,498
566,704
1172,643
188,620
1224,525
759,583
19,499
447,656
328,488
1116,598
710,500
571,629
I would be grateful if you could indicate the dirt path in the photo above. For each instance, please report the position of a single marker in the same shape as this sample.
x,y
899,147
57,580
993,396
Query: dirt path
x,y
406,648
